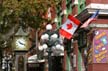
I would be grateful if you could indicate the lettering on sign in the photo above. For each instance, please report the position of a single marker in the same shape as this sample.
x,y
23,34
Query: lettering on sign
x,y
100,35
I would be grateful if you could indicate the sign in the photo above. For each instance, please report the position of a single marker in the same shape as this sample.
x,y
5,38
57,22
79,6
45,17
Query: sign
x,y
100,44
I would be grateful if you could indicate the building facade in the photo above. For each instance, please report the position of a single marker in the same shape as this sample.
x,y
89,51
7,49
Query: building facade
x,y
93,39
88,39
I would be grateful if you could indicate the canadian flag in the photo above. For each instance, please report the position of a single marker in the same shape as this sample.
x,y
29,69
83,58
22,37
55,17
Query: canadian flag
x,y
69,27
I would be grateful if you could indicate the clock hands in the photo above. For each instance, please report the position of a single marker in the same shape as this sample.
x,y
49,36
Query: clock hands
x,y
21,43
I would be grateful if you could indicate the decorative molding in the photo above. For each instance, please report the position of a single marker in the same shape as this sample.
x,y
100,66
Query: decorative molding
x,y
56,19
98,25
65,11
94,6
97,6
76,2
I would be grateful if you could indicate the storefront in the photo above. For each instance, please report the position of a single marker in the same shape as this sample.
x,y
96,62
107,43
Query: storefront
x,y
42,65
98,52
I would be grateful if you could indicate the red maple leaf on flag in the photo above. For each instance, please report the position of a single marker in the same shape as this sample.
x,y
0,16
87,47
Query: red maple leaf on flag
x,y
69,26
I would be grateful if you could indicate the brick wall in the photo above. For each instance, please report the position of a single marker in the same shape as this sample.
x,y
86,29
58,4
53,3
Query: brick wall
x,y
98,67
97,1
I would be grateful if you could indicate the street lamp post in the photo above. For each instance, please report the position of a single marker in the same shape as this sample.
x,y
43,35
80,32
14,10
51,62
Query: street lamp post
x,y
50,39
49,59
6,63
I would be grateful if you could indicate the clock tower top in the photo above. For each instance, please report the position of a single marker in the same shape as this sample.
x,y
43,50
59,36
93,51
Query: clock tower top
x,y
21,32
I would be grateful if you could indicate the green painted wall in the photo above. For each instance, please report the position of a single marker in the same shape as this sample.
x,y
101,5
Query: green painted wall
x,y
69,6
81,5
59,18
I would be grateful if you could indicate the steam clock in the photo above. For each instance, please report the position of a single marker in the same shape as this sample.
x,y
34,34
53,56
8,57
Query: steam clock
x,y
20,45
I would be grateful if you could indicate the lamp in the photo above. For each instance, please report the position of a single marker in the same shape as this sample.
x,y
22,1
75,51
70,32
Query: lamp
x,y
50,40
6,62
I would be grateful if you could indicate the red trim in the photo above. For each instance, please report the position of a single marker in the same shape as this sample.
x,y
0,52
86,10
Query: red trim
x,y
73,19
65,34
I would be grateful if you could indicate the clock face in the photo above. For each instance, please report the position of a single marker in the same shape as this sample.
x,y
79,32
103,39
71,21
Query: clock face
x,y
21,43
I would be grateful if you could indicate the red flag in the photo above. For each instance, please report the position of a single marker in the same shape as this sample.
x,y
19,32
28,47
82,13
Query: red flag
x,y
69,27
